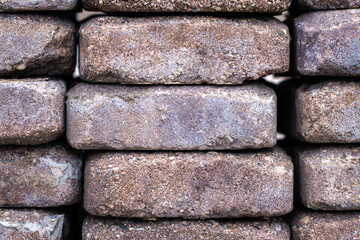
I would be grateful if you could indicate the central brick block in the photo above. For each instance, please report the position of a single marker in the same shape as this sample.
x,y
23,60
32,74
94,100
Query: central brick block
x,y
189,185
171,117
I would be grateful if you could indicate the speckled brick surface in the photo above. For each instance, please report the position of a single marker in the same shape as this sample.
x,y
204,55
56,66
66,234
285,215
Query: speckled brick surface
x,y
39,176
326,225
32,111
328,177
109,229
18,224
257,6
327,43
189,185
36,45
182,50
327,4
171,117
328,112
37,5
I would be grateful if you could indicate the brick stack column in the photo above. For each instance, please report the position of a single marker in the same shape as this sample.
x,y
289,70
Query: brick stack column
x,y
164,149
36,172
326,115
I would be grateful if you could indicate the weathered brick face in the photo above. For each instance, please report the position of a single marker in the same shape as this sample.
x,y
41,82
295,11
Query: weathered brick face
x,y
31,224
328,177
39,176
32,111
328,4
171,117
36,5
189,185
187,6
182,50
326,225
327,43
106,229
328,112
36,45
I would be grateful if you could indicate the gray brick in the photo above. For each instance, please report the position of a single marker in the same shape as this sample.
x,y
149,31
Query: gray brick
x,y
37,5
327,43
32,111
328,4
171,117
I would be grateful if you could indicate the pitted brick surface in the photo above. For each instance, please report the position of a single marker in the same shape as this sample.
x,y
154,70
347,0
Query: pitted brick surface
x,y
107,229
171,117
327,43
182,50
32,111
189,185
36,45
37,5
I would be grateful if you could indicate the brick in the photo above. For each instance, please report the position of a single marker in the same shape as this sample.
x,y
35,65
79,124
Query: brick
x,y
171,117
328,112
36,45
16,224
187,6
328,4
36,5
108,229
327,43
328,177
193,185
41,176
326,225
182,50
32,111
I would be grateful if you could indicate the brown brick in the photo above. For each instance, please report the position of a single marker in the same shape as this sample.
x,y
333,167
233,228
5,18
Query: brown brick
x,y
326,225
171,117
182,50
109,229
328,177
18,224
189,184
41,176
187,6
36,5
32,111
328,4
36,45
328,112
327,43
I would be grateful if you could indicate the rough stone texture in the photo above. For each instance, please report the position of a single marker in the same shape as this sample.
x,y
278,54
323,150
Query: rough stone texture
x,y
189,185
171,117
109,229
18,224
328,112
182,50
32,111
326,225
41,176
276,6
327,43
328,4
329,177
36,5
36,45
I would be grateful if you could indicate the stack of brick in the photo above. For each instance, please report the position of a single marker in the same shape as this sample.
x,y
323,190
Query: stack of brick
x,y
172,158
325,114
36,172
